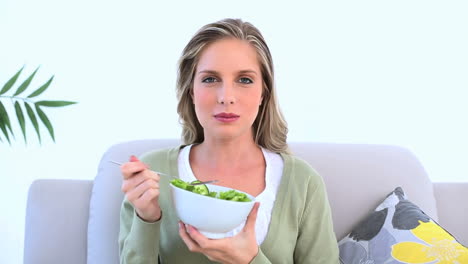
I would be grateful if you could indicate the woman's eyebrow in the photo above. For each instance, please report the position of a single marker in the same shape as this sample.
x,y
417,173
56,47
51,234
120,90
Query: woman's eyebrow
x,y
217,73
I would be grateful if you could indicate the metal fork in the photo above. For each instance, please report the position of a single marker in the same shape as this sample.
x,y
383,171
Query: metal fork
x,y
174,177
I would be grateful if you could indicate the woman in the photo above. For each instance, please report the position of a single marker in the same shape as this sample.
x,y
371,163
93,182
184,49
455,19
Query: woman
x,y
233,131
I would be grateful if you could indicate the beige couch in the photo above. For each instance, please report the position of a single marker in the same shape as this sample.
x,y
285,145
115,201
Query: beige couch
x,y
77,221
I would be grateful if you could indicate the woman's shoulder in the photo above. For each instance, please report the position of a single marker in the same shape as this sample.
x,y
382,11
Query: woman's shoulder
x,y
301,170
160,156
298,164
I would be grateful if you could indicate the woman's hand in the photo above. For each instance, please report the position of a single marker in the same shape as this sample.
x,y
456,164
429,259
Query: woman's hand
x,y
241,248
141,187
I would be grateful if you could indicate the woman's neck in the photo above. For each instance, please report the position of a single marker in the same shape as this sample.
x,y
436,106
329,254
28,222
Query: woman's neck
x,y
224,153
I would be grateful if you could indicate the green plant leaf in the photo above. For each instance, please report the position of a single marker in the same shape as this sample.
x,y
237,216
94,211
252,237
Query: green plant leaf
x,y
54,103
6,118
11,82
4,129
25,84
33,118
46,121
20,115
42,88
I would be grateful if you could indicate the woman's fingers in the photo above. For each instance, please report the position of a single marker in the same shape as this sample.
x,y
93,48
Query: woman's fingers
x,y
191,244
251,219
129,169
136,192
141,188
130,184
200,239
146,199
133,182
133,158
241,248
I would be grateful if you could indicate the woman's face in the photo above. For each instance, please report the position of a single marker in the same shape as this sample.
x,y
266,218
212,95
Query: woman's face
x,y
227,89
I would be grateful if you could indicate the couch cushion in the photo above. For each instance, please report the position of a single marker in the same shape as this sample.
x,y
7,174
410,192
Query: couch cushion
x,y
398,231
56,221
357,176
452,207
106,199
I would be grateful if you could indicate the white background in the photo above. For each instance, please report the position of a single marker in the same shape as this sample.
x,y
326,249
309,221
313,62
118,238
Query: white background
x,y
384,72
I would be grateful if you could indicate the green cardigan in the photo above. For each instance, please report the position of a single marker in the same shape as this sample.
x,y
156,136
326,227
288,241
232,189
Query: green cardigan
x,y
300,231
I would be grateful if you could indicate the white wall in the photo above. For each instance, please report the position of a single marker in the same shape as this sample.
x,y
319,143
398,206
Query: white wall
x,y
387,72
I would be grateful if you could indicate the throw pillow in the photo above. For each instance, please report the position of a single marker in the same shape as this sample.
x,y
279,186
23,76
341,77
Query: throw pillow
x,y
398,231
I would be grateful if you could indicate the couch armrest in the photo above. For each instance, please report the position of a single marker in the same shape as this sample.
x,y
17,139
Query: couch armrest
x,y
452,208
56,221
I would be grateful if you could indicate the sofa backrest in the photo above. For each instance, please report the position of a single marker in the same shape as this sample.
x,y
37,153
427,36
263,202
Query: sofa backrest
x,y
357,177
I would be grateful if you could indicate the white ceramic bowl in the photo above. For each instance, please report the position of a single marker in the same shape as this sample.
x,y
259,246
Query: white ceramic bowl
x,y
211,216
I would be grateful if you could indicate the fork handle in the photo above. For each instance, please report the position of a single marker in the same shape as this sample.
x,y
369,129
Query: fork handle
x,y
160,173
165,174
168,175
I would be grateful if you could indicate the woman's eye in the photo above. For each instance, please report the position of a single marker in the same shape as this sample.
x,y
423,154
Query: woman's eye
x,y
209,80
245,80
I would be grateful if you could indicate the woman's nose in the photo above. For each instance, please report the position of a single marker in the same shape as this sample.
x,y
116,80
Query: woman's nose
x,y
226,94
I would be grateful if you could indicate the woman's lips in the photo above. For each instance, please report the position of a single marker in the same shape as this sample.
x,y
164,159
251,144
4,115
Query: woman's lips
x,y
226,117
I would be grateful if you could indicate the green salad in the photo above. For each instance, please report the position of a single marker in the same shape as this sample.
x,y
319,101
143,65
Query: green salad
x,y
202,189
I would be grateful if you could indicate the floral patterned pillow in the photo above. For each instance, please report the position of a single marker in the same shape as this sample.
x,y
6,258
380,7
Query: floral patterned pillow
x,y
398,231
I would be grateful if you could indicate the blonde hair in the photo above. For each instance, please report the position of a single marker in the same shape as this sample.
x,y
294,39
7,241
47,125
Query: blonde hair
x,y
269,128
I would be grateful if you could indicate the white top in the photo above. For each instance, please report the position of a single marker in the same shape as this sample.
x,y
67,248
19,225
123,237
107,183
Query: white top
x,y
273,173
